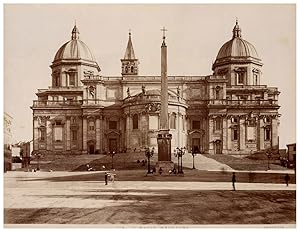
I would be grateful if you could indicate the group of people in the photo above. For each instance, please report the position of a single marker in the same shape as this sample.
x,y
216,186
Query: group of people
x,y
143,162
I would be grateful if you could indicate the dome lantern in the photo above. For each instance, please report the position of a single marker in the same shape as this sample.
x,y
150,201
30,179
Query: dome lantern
x,y
237,32
75,33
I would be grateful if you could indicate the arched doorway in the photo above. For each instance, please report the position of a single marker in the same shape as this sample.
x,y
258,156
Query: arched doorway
x,y
218,146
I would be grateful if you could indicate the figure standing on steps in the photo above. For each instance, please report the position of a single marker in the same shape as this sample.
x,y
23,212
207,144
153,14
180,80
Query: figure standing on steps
x,y
233,181
105,178
287,179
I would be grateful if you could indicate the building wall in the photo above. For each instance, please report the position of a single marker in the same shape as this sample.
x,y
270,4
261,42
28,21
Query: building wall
x,y
7,149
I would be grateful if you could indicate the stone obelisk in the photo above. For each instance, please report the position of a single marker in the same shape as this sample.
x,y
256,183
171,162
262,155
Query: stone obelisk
x,y
164,137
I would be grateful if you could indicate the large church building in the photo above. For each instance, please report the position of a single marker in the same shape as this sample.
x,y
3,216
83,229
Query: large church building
x,y
83,112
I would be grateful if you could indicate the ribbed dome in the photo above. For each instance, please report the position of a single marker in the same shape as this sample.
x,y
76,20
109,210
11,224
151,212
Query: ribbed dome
x,y
74,49
237,48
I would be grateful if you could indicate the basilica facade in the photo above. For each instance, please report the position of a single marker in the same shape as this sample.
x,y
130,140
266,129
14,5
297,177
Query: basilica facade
x,y
228,112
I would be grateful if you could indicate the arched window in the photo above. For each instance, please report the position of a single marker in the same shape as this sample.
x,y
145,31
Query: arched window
x,y
132,69
135,124
172,121
126,69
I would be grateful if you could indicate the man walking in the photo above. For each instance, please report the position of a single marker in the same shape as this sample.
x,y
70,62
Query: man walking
x,y
105,178
287,179
233,181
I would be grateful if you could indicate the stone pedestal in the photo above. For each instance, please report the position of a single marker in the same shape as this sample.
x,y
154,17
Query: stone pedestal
x,y
166,166
164,151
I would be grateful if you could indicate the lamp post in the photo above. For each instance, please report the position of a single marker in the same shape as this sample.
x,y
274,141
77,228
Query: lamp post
x,y
179,152
112,159
149,154
194,154
38,156
268,155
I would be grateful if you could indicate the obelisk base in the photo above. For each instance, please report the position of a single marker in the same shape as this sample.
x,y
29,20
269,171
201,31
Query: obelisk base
x,y
164,163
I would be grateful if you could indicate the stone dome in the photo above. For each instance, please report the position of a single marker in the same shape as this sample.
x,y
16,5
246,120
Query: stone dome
x,y
236,49
74,49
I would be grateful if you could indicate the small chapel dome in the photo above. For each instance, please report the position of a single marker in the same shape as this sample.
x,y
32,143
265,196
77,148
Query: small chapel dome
x,y
236,49
74,49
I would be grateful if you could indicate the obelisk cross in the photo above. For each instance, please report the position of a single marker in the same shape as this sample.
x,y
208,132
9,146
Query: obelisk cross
x,y
164,32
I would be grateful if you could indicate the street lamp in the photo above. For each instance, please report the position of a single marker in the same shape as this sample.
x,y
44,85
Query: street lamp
x,y
112,159
268,155
179,152
38,156
149,154
194,154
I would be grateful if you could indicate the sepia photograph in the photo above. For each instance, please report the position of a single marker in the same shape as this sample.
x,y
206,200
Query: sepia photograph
x,y
149,115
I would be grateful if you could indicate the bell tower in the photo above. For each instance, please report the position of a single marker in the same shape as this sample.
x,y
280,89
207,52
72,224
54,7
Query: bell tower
x,y
129,63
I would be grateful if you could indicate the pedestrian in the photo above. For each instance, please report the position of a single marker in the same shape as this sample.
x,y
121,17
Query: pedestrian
x,y
233,181
160,170
154,170
105,178
112,178
287,179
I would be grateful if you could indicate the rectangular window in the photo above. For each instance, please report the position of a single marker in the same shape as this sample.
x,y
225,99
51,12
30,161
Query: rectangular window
x,y
72,78
58,133
43,134
267,134
112,125
135,122
74,135
235,134
196,125
240,78
255,79
218,122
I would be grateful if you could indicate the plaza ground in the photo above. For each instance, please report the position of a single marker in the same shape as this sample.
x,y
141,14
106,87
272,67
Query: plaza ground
x,y
201,196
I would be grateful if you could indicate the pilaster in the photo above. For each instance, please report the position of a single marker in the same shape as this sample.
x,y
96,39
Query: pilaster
x,y
68,133
98,133
84,134
261,134
242,134
35,133
49,135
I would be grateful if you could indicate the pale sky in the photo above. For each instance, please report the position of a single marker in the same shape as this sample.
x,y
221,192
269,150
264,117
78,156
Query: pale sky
x,y
34,33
